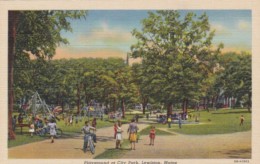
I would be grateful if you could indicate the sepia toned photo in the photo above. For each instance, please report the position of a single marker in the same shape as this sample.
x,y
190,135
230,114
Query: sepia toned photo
x,y
129,86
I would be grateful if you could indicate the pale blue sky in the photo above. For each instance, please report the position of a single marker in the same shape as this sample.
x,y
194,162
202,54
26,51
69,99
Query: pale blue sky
x,y
108,32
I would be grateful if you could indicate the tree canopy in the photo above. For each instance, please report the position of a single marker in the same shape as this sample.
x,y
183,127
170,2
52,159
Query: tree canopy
x,y
177,53
37,33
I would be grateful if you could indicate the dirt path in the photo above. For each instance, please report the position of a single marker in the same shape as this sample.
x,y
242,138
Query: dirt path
x,y
70,148
235,145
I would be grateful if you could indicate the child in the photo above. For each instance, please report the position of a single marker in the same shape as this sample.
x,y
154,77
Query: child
x,y
31,129
52,125
118,136
115,130
152,135
94,122
242,118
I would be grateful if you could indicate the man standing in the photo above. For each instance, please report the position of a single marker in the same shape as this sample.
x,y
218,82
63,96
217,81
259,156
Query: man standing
x,y
86,130
179,120
169,121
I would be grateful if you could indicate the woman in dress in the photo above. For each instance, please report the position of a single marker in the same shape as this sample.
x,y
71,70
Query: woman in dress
x,y
52,125
132,130
118,135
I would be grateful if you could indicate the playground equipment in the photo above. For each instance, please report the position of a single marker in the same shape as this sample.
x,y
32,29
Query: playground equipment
x,y
95,110
39,106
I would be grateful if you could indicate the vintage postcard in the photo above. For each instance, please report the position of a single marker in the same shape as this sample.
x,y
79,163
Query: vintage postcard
x,y
140,82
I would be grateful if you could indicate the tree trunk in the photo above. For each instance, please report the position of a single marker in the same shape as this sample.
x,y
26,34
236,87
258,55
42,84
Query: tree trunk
x,y
207,104
12,23
62,106
184,105
78,100
144,104
123,108
169,109
204,103
216,102
213,101
114,104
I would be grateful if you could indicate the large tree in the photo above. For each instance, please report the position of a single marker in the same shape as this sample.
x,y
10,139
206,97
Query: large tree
x,y
37,33
236,76
177,55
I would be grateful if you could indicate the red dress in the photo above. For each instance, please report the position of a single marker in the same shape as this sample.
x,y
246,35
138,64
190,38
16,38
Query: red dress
x,y
115,130
152,133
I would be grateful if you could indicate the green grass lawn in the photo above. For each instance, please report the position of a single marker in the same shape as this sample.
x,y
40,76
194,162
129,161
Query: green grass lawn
x,y
216,122
67,130
213,122
24,138
115,153
146,131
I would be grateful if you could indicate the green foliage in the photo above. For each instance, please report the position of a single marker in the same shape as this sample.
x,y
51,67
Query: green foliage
x,y
39,32
236,76
177,56
76,82
221,122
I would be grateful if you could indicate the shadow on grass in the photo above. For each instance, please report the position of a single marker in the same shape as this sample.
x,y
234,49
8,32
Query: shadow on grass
x,y
104,138
232,112
241,153
113,153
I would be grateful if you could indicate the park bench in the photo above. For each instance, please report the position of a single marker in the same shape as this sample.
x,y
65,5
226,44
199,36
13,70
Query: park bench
x,y
22,125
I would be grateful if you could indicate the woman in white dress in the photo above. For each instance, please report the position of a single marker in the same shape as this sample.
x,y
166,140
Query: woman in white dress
x,y
52,125
118,135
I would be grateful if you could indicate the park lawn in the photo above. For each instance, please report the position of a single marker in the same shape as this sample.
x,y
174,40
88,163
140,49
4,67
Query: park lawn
x,y
24,138
76,128
115,153
146,131
217,122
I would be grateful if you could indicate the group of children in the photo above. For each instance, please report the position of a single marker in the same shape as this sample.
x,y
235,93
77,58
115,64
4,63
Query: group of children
x,y
132,130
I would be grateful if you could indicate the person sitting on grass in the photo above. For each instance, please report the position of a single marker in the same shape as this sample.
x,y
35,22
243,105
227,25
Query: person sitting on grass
x,y
152,135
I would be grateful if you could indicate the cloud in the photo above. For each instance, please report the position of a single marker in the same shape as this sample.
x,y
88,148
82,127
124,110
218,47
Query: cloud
x,y
244,25
238,47
106,36
220,29
68,52
65,53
